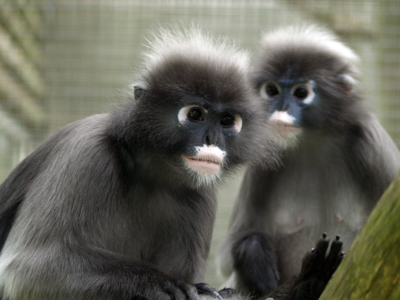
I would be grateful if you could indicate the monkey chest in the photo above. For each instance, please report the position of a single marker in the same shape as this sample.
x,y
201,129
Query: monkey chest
x,y
171,234
316,202
299,207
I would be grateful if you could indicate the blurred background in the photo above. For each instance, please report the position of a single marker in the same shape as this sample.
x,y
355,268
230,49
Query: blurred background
x,y
63,60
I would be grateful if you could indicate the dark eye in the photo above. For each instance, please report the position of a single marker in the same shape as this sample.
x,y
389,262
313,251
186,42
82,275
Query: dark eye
x,y
300,93
271,90
227,120
195,114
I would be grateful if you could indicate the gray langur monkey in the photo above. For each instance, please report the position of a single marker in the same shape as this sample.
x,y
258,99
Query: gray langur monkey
x,y
337,159
122,205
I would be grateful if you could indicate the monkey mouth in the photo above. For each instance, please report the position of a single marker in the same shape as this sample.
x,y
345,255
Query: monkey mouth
x,y
204,164
283,124
284,129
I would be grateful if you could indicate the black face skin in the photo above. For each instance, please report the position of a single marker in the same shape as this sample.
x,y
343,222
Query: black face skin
x,y
295,96
218,100
310,86
116,206
337,160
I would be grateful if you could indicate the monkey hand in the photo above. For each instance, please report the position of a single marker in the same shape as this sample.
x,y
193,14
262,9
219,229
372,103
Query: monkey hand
x,y
206,290
164,288
317,269
158,286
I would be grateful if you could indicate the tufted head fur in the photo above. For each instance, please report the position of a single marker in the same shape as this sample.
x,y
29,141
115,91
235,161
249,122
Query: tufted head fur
x,y
185,67
312,53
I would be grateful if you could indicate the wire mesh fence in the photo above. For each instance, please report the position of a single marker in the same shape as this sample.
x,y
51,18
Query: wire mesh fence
x,y
62,60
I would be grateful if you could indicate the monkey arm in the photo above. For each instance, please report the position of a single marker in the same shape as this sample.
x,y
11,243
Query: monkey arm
x,y
13,190
12,195
75,234
76,271
247,254
318,267
373,157
255,263
316,271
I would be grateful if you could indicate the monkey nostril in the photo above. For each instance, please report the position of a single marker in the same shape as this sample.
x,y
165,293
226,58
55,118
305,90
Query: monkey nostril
x,y
211,140
283,107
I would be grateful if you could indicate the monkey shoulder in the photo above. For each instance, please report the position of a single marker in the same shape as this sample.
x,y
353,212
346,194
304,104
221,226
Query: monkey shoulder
x,y
83,143
372,156
74,163
56,156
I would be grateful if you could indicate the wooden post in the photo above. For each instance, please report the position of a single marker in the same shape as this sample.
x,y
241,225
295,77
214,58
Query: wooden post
x,y
371,268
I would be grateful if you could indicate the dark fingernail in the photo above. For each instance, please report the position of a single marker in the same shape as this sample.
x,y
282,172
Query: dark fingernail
x,y
216,295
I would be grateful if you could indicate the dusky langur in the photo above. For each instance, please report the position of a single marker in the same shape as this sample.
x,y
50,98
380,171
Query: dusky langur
x,y
337,159
317,269
122,205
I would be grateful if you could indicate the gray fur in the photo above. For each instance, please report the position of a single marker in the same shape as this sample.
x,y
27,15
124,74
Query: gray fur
x,y
332,174
105,209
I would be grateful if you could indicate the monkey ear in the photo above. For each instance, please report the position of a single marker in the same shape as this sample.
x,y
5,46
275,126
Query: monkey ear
x,y
139,89
348,83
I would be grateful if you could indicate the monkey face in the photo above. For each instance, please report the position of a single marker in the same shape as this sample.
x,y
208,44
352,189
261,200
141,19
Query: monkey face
x,y
196,113
301,108
287,100
198,136
209,129
304,74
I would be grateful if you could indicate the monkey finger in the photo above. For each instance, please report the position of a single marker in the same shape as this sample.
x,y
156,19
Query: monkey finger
x,y
321,248
175,290
205,289
190,291
175,294
334,252
308,264
339,259
322,244
166,292
227,293
169,291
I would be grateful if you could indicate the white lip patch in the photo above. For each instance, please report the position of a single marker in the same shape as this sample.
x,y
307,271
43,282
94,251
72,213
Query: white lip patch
x,y
282,116
207,161
284,127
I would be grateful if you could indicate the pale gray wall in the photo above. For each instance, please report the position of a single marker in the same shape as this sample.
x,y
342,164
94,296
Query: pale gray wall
x,y
89,49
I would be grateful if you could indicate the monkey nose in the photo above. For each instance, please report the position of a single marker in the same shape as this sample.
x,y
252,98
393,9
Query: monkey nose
x,y
211,139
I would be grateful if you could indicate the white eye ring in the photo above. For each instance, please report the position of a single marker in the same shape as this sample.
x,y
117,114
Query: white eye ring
x,y
309,86
238,123
184,111
263,89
